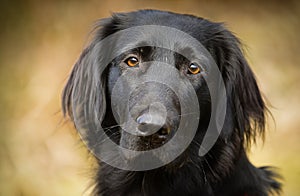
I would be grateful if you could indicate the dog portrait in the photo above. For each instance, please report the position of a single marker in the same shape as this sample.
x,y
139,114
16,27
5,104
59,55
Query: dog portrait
x,y
168,105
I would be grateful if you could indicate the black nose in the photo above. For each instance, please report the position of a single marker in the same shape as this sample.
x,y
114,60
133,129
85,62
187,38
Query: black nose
x,y
152,124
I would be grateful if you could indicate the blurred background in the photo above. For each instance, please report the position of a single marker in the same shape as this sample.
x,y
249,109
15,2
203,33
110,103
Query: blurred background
x,y
40,154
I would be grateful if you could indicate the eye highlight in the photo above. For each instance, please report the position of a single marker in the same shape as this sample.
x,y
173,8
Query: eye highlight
x,y
194,68
132,61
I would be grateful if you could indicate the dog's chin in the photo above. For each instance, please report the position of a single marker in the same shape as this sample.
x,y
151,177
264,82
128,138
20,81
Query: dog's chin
x,y
133,158
150,143
146,145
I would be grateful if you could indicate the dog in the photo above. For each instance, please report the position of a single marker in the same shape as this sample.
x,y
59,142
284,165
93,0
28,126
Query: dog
x,y
110,76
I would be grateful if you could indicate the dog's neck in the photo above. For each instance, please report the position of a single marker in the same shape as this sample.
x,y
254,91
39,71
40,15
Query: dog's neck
x,y
198,181
151,182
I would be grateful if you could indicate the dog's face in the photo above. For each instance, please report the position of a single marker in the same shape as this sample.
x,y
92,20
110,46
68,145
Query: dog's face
x,y
153,106
153,109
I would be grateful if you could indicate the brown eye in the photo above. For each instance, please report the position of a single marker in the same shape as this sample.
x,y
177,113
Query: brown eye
x,y
132,61
194,68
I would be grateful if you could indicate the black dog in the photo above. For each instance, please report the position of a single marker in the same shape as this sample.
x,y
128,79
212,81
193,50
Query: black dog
x,y
89,95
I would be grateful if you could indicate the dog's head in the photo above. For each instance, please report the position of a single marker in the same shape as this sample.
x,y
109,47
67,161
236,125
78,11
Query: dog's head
x,y
139,90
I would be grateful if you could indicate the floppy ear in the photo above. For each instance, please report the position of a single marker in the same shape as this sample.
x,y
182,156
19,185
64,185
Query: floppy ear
x,y
83,98
244,96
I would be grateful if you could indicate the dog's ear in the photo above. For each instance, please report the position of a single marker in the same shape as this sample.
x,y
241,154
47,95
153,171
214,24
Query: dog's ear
x,y
83,98
244,96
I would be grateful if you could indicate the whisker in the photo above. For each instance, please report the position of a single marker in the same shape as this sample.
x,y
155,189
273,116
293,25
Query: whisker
x,y
104,140
185,114
210,168
110,127
204,173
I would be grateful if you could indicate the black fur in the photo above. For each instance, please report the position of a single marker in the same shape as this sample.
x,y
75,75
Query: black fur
x,y
225,170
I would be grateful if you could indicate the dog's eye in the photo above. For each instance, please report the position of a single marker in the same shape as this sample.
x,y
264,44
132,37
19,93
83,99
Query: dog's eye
x,y
194,68
132,61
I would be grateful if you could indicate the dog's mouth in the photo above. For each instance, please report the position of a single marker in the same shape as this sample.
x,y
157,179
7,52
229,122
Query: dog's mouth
x,y
153,128
154,123
157,139
141,144
148,135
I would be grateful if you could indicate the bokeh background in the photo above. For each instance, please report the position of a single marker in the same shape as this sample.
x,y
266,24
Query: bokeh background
x,y
40,154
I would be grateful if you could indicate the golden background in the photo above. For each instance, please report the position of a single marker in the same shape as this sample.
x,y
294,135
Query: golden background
x,y
41,40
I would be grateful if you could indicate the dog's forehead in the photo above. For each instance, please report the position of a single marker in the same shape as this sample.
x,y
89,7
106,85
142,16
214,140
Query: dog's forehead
x,y
164,37
167,48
